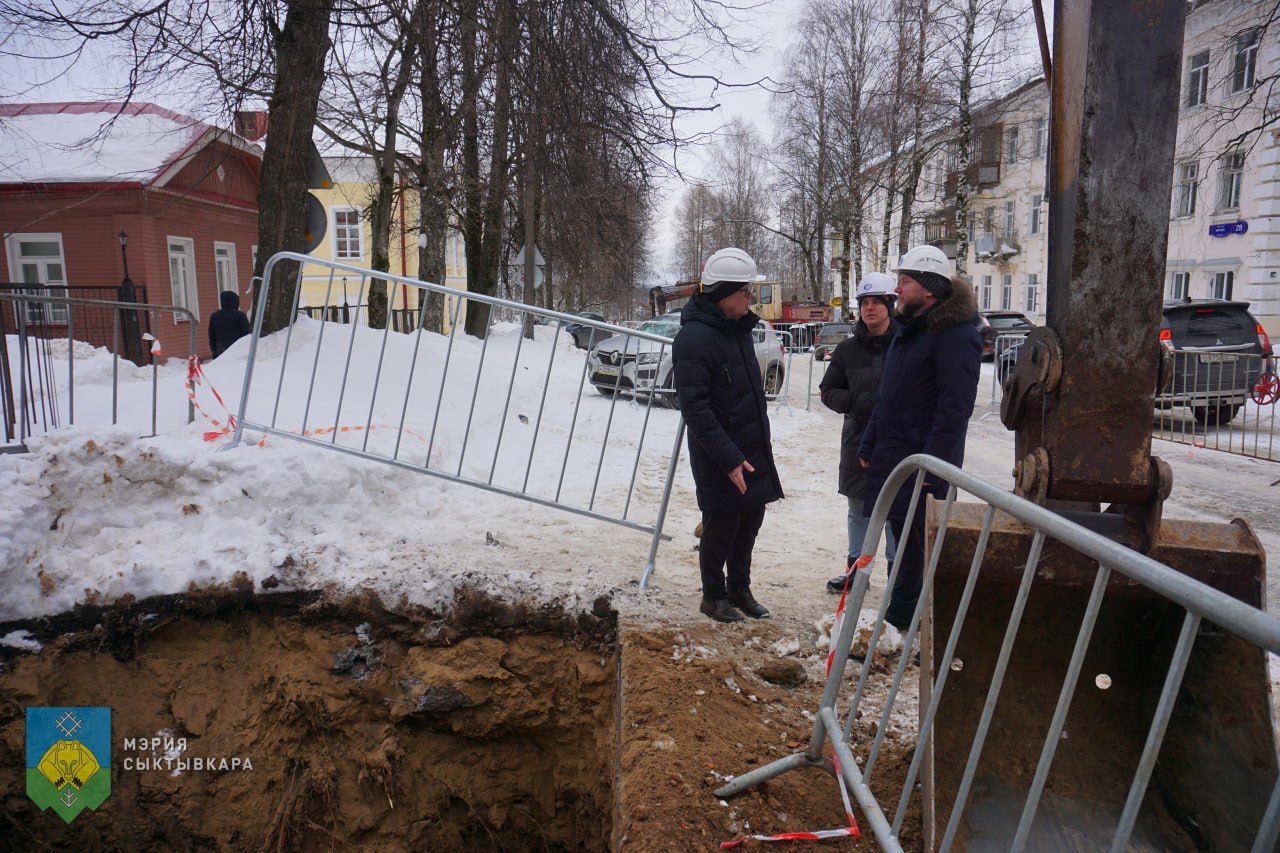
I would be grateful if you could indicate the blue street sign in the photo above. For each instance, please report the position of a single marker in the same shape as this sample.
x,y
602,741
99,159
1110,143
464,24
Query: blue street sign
x,y
1224,229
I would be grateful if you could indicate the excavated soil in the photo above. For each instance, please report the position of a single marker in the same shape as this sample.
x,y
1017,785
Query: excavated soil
x,y
496,727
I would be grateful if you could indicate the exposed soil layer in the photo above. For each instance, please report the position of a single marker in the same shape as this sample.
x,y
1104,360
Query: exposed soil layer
x,y
365,729
498,727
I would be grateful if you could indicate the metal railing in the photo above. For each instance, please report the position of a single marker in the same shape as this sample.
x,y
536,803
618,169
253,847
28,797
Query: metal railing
x,y
38,376
475,411
1216,399
1206,614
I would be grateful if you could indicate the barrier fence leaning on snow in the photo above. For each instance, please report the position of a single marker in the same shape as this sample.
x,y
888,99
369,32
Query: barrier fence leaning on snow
x,y
47,335
532,418
1191,615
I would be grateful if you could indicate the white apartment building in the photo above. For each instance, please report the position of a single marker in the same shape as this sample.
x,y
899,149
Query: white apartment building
x,y
1224,225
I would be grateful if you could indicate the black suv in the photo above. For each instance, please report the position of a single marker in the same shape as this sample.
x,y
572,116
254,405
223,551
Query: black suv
x,y
992,324
1218,354
1208,338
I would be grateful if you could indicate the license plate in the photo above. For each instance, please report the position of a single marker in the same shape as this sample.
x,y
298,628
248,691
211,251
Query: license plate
x,y
606,370
1216,357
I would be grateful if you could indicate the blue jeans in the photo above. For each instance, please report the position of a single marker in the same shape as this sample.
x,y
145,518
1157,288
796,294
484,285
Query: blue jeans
x,y
858,524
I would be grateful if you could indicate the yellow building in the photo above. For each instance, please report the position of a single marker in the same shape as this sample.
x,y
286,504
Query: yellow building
x,y
348,240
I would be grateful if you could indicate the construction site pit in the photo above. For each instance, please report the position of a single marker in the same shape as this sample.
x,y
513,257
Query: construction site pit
x,y
326,724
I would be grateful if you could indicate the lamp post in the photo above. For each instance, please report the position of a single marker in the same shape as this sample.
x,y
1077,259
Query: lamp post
x,y
132,332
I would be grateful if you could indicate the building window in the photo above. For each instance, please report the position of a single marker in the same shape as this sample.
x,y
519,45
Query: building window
x,y
1037,202
36,259
1185,192
1220,285
1033,293
986,293
182,276
1232,176
1006,292
224,266
1011,145
1246,61
1179,285
347,234
1042,137
1010,225
988,220
973,227
1197,79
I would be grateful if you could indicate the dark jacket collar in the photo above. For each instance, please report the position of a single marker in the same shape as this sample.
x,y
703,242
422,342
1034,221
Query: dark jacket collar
x,y
702,309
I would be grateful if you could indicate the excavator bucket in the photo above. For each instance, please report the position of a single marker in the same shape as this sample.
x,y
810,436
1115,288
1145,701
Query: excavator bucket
x,y
1080,402
1217,764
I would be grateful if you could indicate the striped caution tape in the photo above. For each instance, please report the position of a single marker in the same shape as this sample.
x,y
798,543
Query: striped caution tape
x,y
196,378
850,831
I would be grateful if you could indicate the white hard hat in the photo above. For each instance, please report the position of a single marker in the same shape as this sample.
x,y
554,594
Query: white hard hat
x,y
925,259
733,265
875,284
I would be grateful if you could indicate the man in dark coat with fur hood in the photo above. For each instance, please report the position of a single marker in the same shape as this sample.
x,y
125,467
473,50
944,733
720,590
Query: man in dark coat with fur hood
x,y
927,392
721,395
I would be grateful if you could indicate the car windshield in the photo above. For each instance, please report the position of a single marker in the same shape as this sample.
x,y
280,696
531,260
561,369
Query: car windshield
x,y
662,326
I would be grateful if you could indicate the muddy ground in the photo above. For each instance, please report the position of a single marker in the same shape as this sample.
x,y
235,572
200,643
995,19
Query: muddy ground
x,y
490,728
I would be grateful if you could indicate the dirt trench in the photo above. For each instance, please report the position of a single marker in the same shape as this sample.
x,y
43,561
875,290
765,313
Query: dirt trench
x,y
494,727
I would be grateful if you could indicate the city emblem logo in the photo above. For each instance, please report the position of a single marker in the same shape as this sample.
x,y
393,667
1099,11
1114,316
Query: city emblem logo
x,y
68,759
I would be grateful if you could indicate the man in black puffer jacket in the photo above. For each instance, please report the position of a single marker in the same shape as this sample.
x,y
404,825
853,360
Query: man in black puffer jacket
x,y
851,386
228,324
927,391
721,395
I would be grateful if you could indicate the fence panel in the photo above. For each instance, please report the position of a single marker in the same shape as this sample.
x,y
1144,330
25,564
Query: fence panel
x,y
1197,628
519,411
68,361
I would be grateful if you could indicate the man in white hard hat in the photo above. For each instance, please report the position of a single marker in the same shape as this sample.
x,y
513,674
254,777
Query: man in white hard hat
x,y
851,386
721,395
927,392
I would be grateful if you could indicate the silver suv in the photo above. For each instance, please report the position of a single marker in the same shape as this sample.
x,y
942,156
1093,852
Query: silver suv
x,y
630,365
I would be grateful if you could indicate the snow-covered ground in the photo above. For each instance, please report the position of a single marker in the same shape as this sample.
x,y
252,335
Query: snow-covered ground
x,y
94,512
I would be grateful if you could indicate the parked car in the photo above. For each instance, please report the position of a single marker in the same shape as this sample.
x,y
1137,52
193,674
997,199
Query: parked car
x,y
1219,348
584,336
993,324
829,337
640,366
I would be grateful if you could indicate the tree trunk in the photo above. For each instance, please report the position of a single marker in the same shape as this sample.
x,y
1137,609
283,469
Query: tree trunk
x,y
301,48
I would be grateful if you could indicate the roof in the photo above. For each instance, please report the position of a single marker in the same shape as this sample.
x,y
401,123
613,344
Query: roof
x,y
102,142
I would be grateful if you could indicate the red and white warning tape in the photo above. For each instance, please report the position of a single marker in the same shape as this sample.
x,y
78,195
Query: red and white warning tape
x,y
850,831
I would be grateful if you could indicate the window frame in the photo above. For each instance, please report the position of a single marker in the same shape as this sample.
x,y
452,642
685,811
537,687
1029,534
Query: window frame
x,y
1231,180
986,293
1222,284
1036,224
1179,284
1244,65
1197,92
35,315
227,263
1011,144
1042,137
342,236
1032,296
1010,219
1006,292
1186,188
189,298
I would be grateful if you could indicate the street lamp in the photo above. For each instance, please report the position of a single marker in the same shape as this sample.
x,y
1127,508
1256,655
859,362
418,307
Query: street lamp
x,y
127,293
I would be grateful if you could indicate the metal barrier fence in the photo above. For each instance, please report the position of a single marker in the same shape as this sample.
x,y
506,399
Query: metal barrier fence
x,y
489,413
1206,615
1218,400
38,363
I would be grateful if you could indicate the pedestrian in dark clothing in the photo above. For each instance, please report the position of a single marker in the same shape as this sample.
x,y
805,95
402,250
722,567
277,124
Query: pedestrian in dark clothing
x,y
228,324
721,395
927,392
851,386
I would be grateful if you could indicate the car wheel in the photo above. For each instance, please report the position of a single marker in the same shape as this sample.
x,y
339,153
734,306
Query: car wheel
x,y
773,380
668,396
1215,415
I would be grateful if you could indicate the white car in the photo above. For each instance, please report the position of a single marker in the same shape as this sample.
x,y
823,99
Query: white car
x,y
626,364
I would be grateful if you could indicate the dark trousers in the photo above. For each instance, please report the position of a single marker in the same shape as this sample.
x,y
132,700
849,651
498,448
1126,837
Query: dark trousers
x,y
906,589
727,539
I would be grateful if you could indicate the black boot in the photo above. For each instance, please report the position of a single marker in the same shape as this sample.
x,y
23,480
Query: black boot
x,y
720,610
742,598
836,584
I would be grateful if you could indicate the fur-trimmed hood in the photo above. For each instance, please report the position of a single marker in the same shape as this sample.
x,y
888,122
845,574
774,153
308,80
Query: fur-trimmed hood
x,y
960,307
